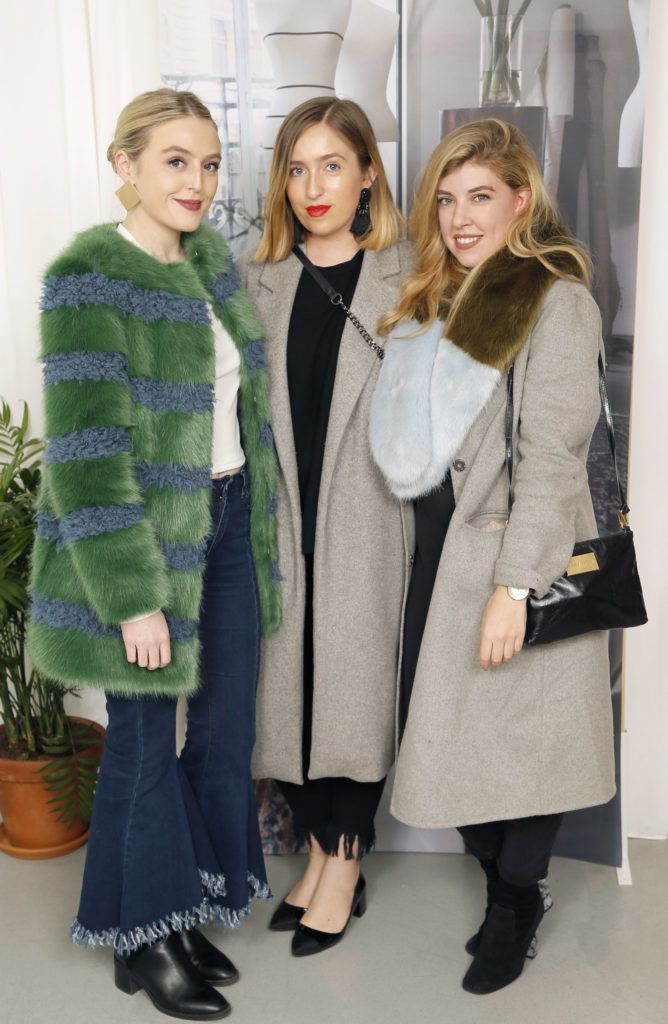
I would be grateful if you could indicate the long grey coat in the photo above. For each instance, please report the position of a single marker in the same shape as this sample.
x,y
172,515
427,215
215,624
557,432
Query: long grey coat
x,y
533,736
362,547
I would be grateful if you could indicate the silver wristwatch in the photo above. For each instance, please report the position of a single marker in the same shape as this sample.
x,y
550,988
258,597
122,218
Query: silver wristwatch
x,y
518,593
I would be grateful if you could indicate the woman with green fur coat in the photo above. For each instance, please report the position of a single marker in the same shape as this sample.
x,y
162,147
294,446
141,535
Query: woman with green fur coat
x,y
156,554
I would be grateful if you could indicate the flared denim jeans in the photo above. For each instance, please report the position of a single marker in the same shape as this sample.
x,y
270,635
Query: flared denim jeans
x,y
174,841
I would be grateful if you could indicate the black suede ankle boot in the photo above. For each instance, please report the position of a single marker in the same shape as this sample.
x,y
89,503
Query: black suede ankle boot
x,y
492,874
506,937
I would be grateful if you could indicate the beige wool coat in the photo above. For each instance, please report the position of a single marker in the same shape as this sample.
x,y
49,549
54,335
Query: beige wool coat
x,y
361,561
533,736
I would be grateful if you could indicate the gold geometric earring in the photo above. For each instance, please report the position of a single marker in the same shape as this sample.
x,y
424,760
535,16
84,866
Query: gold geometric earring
x,y
128,195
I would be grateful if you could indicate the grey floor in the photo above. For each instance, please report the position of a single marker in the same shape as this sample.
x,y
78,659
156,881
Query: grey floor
x,y
603,951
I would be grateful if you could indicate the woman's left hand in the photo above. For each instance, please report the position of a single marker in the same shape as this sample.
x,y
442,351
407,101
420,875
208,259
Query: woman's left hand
x,y
504,623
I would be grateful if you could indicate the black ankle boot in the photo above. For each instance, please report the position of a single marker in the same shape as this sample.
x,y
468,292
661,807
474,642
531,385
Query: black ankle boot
x,y
506,937
491,870
492,874
170,981
211,963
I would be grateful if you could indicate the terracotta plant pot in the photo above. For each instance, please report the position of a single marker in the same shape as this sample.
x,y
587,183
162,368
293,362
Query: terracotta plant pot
x,y
30,826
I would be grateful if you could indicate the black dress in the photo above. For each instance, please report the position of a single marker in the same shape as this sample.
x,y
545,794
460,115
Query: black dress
x,y
432,519
332,807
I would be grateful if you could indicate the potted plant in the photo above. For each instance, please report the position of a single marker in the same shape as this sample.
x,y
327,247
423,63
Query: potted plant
x,y
48,760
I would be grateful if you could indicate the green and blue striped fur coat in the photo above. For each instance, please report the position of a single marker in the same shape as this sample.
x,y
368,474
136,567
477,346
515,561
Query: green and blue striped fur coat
x,y
124,504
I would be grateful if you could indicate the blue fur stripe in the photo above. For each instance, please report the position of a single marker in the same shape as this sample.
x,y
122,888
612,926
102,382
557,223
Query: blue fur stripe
x,y
85,366
181,630
57,614
96,289
172,396
92,443
276,574
184,557
272,504
266,435
65,615
87,522
254,355
223,286
48,527
173,475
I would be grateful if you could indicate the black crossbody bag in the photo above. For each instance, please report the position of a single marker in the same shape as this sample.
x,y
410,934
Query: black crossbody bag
x,y
601,586
336,299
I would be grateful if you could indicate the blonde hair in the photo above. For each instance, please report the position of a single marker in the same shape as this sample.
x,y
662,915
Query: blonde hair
x,y
145,112
351,123
438,284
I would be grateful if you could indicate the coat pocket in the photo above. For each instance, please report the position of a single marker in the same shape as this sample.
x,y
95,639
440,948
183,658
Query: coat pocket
x,y
488,522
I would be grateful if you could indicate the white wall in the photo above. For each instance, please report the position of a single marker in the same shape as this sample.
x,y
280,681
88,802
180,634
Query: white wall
x,y
645,764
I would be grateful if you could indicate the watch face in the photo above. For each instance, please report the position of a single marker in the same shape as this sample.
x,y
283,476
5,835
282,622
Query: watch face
x,y
518,593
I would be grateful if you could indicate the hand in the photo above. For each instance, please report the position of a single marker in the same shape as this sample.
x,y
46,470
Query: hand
x,y
147,641
504,624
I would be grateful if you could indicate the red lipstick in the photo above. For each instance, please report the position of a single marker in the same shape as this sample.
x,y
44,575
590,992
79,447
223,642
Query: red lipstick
x,y
190,204
317,211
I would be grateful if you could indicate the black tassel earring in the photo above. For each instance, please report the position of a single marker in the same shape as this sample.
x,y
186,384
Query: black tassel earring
x,y
362,219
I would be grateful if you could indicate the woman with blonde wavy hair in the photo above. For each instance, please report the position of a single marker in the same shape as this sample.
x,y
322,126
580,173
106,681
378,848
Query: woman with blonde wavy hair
x,y
154,559
326,701
499,283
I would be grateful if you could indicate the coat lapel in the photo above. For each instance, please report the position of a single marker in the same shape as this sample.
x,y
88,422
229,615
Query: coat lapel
x,y
356,359
277,285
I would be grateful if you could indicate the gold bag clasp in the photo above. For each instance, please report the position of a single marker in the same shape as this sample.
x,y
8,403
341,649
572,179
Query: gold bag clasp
x,y
582,563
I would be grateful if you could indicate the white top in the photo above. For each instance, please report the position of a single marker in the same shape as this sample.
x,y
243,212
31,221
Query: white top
x,y
227,451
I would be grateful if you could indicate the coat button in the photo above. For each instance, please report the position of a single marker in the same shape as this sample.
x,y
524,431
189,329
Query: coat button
x,y
459,465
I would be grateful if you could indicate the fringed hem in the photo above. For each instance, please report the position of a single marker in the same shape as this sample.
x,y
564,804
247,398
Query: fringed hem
x,y
213,885
329,837
127,942
229,918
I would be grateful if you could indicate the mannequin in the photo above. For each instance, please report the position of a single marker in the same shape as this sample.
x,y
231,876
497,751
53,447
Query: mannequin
x,y
364,64
631,122
304,42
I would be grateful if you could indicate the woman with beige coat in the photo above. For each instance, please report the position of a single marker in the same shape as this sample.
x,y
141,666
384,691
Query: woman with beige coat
x,y
500,739
327,693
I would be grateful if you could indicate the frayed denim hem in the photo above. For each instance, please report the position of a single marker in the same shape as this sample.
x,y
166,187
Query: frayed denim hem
x,y
125,943
130,941
232,918
213,885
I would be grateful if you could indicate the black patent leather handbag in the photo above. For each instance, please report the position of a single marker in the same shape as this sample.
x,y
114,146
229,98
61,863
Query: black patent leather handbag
x,y
601,586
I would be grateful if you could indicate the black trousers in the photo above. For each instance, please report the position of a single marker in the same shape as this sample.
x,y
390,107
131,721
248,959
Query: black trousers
x,y
521,846
330,808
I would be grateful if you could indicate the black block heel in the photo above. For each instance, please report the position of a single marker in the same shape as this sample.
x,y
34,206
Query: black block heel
x,y
123,979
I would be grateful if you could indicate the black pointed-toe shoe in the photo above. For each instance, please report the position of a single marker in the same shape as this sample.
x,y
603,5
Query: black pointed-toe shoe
x,y
503,949
307,941
173,985
286,917
211,963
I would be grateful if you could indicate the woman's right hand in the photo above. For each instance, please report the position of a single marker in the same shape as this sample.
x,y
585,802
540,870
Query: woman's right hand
x,y
147,641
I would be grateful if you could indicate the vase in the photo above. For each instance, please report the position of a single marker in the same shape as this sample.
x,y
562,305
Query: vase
x,y
500,61
30,829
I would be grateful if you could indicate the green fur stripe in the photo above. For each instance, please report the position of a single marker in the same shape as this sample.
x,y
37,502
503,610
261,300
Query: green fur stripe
x,y
72,657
